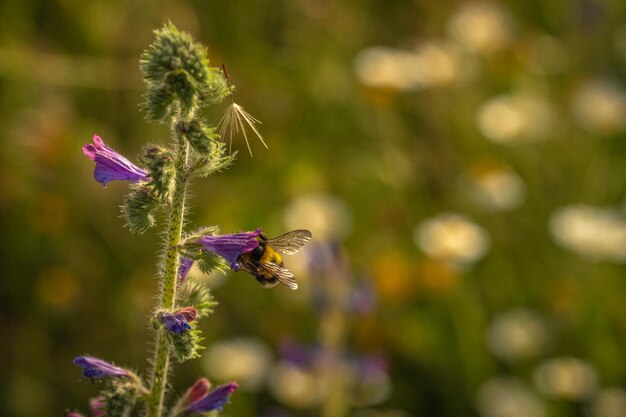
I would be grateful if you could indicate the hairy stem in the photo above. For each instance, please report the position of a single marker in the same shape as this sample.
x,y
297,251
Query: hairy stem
x,y
168,286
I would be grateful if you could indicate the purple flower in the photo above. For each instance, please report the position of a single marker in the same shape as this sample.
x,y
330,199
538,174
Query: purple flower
x,y
230,247
183,269
97,368
196,392
110,165
215,400
73,414
178,322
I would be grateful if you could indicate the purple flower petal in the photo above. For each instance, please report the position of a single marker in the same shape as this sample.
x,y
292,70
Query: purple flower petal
x,y
231,246
215,400
174,323
97,368
110,165
183,269
197,391
73,414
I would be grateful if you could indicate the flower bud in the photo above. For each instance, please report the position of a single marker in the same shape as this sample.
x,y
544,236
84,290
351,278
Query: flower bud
x,y
138,208
160,164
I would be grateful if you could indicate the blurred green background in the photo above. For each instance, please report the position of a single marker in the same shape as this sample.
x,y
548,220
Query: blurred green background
x,y
467,157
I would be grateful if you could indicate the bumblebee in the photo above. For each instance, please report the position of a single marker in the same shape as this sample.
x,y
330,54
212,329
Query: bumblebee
x,y
265,262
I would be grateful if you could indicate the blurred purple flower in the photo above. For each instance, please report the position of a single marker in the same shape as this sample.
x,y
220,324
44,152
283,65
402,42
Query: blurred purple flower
x,y
178,322
371,366
231,246
215,400
183,268
110,165
97,407
298,354
362,299
73,414
97,368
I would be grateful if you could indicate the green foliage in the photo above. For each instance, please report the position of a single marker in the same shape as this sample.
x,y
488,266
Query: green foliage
x,y
138,208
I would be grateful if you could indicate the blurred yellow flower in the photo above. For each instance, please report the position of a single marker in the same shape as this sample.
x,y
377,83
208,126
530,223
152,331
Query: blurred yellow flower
x,y
516,118
249,368
483,27
394,277
452,238
435,63
508,397
495,186
327,217
599,106
567,378
517,335
295,387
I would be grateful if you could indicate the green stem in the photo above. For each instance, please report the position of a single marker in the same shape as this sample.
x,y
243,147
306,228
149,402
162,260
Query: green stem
x,y
168,288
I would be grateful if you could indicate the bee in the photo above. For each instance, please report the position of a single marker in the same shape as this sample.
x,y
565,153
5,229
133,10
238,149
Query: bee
x,y
265,262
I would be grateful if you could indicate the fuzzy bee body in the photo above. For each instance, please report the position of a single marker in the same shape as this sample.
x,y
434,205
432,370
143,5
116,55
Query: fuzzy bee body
x,y
265,262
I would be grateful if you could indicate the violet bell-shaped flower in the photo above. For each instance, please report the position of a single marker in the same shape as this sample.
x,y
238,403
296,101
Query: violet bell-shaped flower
x,y
178,322
231,246
97,368
215,400
183,268
198,390
110,165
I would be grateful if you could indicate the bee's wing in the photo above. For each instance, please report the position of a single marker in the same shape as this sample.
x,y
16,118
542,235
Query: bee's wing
x,y
283,275
290,242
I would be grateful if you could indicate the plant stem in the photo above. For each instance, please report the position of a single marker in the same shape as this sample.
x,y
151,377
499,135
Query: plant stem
x,y
168,287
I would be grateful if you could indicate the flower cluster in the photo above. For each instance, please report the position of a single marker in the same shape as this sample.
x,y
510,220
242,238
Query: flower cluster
x,y
180,84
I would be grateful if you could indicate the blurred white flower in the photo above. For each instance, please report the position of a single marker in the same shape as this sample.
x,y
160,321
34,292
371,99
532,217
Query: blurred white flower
x,y
327,217
567,378
294,386
244,360
600,106
593,233
381,66
516,118
495,186
609,402
434,63
483,27
452,238
517,335
505,397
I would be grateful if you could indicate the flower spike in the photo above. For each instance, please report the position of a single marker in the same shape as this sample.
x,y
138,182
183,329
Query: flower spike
x,y
110,165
